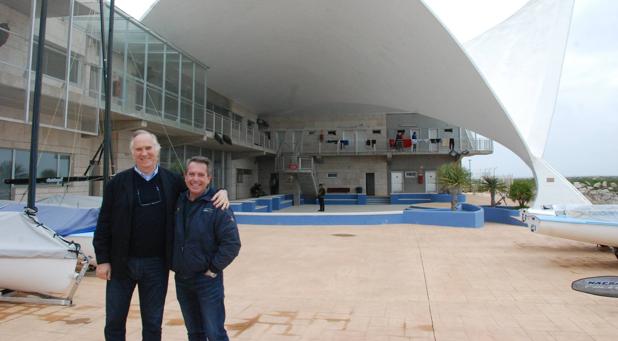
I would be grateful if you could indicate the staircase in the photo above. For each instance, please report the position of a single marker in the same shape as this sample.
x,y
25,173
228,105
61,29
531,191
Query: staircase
x,y
308,183
375,200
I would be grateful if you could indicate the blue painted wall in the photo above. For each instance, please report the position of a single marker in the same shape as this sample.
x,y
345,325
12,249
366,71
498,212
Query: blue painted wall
x,y
503,215
468,216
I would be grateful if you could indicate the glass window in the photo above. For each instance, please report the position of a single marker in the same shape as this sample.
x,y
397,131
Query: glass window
x,y
22,162
93,83
47,165
54,62
187,78
64,164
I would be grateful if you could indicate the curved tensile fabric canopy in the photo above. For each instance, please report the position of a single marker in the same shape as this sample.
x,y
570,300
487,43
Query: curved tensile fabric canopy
x,y
337,57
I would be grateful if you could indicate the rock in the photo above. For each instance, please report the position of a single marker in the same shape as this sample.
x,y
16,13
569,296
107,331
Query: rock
x,y
597,185
613,185
604,184
578,185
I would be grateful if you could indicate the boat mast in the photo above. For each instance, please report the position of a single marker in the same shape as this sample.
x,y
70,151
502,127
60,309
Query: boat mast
x,y
36,107
107,76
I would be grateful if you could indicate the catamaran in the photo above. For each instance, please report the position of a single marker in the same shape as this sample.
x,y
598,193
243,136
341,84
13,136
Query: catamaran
x,y
596,224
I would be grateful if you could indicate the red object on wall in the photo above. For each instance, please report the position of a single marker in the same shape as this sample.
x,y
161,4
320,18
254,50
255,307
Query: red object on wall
x,y
420,178
407,143
293,166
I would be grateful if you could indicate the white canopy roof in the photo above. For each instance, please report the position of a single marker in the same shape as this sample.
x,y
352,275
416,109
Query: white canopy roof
x,y
325,57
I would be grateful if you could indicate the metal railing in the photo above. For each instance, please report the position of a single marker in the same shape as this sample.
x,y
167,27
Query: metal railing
x,y
295,163
359,142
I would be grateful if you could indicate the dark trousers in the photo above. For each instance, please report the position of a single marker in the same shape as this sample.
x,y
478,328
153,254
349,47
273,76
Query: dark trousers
x,y
321,200
201,303
151,277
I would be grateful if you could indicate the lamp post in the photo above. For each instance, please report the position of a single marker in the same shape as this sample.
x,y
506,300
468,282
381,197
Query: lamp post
x,y
470,169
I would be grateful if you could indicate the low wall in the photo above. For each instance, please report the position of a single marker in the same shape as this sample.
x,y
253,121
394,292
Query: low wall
x,y
372,218
468,216
503,215
407,198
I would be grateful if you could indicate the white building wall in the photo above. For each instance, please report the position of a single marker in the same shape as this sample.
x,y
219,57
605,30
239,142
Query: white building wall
x,y
242,190
351,172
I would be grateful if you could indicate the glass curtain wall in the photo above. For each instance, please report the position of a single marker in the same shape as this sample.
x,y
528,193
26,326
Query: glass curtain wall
x,y
174,158
150,78
14,63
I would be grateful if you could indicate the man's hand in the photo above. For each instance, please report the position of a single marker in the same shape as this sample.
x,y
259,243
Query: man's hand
x,y
220,200
104,271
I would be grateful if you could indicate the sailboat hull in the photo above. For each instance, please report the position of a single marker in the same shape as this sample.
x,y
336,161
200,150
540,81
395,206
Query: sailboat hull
x,y
52,277
596,232
33,258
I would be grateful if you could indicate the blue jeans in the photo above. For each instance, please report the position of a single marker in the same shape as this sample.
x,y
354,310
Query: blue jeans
x,y
150,274
201,302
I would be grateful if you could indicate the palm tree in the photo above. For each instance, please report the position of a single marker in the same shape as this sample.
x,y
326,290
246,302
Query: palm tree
x,y
452,177
493,185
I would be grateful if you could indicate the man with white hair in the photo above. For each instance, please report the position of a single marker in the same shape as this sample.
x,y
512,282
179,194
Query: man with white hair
x,y
134,237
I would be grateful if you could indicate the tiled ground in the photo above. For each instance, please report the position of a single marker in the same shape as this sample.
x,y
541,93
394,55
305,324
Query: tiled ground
x,y
393,282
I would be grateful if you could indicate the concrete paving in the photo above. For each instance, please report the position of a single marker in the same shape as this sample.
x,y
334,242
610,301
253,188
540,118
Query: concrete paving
x,y
390,282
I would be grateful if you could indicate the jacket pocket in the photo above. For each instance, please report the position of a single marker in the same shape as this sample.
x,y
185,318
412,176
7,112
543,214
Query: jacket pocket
x,y
195,258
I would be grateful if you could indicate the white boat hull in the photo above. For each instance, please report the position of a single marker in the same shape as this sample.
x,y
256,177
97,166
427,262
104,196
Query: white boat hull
x,y
35,259
596,232
52,277
85,241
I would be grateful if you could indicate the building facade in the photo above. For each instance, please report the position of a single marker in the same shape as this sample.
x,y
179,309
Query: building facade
x,y
158,87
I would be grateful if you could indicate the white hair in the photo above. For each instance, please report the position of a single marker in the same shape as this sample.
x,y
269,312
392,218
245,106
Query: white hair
x,y
155,141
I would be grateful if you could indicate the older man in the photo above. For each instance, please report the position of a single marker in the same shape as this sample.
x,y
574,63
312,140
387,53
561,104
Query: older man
x,y
134,237
206,242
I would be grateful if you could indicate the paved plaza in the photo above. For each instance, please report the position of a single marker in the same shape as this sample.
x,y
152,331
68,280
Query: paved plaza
x,y
388,282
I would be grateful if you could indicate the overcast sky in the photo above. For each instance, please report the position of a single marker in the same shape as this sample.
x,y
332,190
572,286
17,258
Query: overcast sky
x,y
585,124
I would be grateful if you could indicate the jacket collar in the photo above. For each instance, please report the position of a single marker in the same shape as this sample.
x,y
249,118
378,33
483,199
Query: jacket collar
x,y
206,196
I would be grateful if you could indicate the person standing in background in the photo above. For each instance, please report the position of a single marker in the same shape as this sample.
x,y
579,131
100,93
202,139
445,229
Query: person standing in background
x,y
321,195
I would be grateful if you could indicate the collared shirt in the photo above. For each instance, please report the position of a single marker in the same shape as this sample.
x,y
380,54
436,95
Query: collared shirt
x,y
147,177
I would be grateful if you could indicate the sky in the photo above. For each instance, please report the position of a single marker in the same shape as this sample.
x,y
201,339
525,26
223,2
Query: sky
x,y
580,142
586,115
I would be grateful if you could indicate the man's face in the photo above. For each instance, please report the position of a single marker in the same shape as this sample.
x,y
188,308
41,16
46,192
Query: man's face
x,y
144,153
197,178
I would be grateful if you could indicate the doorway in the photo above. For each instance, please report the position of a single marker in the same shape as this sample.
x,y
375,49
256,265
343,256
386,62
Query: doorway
x,y
370,183
274,183
430,181
396,182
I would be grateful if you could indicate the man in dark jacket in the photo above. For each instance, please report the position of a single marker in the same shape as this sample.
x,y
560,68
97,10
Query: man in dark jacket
x,y
206,241
134,237
321,196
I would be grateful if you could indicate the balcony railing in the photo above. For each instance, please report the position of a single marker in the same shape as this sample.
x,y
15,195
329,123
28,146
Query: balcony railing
x,y
295,163
360,142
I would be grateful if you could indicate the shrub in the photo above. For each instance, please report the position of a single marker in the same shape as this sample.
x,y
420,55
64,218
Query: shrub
x,y
492,185
452,177
522,191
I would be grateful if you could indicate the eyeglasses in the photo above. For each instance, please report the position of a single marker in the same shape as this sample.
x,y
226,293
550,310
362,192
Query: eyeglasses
x,y
150,198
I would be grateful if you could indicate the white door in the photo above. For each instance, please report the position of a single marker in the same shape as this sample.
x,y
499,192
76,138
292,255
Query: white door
x,y
430,181
433,136
396,182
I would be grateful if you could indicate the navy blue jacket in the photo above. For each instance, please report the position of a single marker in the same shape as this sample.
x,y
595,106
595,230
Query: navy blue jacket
x,y
210,239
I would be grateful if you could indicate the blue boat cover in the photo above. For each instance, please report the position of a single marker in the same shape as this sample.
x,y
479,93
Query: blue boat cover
x,y
62,219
